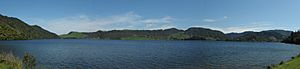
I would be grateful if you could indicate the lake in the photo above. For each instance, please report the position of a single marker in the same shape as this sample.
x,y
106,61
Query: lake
x,y
151,54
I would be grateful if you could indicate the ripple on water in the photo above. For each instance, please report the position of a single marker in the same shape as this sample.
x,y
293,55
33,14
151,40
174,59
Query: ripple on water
x,y
115,54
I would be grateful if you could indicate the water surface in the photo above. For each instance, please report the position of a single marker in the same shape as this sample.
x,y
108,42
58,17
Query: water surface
x,y
147,54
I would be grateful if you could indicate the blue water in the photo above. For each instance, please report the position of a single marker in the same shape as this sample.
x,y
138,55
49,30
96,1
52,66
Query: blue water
x,y
147,54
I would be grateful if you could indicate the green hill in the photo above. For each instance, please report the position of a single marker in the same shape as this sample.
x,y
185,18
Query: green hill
x,y
194,33
269,35
14,29
198,33
73,35
294,38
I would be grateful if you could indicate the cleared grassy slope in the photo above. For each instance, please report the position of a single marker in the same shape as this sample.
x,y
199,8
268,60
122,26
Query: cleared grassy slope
x,y
4,66
293,64
73,35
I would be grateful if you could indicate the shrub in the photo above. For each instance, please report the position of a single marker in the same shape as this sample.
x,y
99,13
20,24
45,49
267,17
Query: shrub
x,y
281,63
29,61
269,67
13,62
298,55
10,60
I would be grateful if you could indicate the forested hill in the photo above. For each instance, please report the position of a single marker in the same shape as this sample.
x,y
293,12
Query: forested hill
x,y
294,38
14,29
268,35
166,34
194,33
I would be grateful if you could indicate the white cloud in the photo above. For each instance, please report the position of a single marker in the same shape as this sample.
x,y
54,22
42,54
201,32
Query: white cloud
x,y
210,20
128,20
225,17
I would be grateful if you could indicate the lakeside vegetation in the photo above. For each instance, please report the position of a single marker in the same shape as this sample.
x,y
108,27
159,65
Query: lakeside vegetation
x,y
293,39
138,38
10,61
291,64
294,63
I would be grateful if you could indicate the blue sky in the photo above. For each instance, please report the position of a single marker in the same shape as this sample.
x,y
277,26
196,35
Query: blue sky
x,y
62,16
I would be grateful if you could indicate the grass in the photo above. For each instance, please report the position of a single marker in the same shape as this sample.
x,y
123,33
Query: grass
x,y
292,64
9,61
74,35
4,66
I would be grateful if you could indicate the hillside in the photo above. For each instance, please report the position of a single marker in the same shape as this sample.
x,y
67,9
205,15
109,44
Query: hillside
x,y
14,29
268,35
166,34
294,38
73,35
194,33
